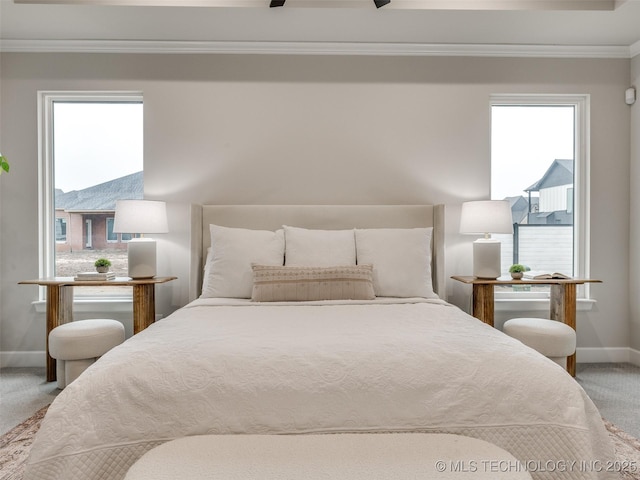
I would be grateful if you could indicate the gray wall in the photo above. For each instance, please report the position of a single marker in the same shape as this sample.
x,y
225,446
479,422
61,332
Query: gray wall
x,y
634,219
312,130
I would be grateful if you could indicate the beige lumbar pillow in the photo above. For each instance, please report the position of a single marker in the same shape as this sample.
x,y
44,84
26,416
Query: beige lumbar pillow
x,y
285,284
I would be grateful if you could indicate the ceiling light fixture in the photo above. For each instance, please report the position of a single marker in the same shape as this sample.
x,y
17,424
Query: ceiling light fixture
x,y
277,3
381,3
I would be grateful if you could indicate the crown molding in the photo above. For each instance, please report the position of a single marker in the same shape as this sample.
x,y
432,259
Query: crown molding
x,y
571,5
316,48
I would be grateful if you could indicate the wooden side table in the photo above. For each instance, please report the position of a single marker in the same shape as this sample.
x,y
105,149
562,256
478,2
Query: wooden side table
x,y
562,304
60,303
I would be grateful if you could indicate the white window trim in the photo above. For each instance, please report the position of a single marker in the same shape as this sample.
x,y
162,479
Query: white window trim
x,y
46,186
514,304
94,305
581,205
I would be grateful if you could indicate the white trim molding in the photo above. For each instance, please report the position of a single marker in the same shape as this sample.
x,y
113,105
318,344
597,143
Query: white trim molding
x,y
524,304
23,359
607,355
634,356
317,48
571,5
103,305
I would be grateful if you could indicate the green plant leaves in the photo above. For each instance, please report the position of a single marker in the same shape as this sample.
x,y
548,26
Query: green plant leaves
x,y
4,165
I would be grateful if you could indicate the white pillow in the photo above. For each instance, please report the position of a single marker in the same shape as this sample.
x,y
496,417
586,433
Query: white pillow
x,y
401,259
319,248
228,270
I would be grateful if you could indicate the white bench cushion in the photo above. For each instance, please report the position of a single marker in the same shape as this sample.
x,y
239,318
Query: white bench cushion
x,y
84,339
549,337
332,456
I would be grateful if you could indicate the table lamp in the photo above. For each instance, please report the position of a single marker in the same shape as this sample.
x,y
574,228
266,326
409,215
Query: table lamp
x,y
140,217
485,217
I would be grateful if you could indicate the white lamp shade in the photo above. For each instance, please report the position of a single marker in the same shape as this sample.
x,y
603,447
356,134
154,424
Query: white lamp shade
x,y
486,216
140,216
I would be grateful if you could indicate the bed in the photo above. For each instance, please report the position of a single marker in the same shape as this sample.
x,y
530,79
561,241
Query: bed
x,y
331,339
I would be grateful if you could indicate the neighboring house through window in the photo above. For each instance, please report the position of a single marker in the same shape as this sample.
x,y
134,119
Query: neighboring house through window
x,y
91,155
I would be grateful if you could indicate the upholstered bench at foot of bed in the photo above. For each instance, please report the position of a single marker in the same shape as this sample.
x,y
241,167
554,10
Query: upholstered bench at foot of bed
x,y
331,456
553,339
76,345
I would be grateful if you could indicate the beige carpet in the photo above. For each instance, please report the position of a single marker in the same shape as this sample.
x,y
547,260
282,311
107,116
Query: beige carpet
x,y
15,446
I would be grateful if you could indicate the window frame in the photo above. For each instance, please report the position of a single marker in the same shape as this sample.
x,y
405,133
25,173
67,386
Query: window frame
x,y
581,186
46,177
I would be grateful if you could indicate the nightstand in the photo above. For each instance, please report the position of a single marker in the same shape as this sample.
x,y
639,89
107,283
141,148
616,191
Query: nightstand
x,y
562,304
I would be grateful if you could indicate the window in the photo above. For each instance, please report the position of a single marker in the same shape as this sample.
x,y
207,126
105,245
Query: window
x,y
61,230
111,237
91,155
539,162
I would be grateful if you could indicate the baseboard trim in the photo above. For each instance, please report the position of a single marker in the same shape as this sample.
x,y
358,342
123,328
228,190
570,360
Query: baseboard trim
x,y
583,355
608,355
634,356
23,359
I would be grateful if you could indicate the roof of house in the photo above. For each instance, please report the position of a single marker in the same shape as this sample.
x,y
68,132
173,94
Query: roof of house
x,y
520,207
102,197
559,173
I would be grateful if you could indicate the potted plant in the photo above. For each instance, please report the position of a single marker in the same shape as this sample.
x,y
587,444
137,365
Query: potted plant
x,y
517,271
102,265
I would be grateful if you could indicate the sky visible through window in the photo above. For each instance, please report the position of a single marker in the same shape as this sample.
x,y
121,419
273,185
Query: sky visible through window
x,y
96,142
525,140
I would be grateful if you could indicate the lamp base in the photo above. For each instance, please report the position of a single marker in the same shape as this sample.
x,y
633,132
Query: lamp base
x,y
141,254
486,258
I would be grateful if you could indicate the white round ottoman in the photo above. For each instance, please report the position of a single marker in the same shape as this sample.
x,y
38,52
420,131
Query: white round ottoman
x,y
366,456
76,345
553,339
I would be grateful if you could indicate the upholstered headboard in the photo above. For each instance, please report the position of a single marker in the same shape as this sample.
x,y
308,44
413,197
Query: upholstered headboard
x,y
330,217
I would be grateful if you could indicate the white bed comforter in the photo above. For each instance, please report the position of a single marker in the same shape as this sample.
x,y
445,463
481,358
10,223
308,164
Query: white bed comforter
x,y
375,367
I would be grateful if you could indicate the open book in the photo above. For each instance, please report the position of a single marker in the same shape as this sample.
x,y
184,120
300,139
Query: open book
x,y
545,276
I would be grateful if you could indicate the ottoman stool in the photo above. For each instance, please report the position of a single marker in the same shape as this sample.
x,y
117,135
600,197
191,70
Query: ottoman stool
x,y
551,338
76,345
360,456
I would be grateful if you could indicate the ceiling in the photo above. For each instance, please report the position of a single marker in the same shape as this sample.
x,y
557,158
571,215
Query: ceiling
x,y
563,28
